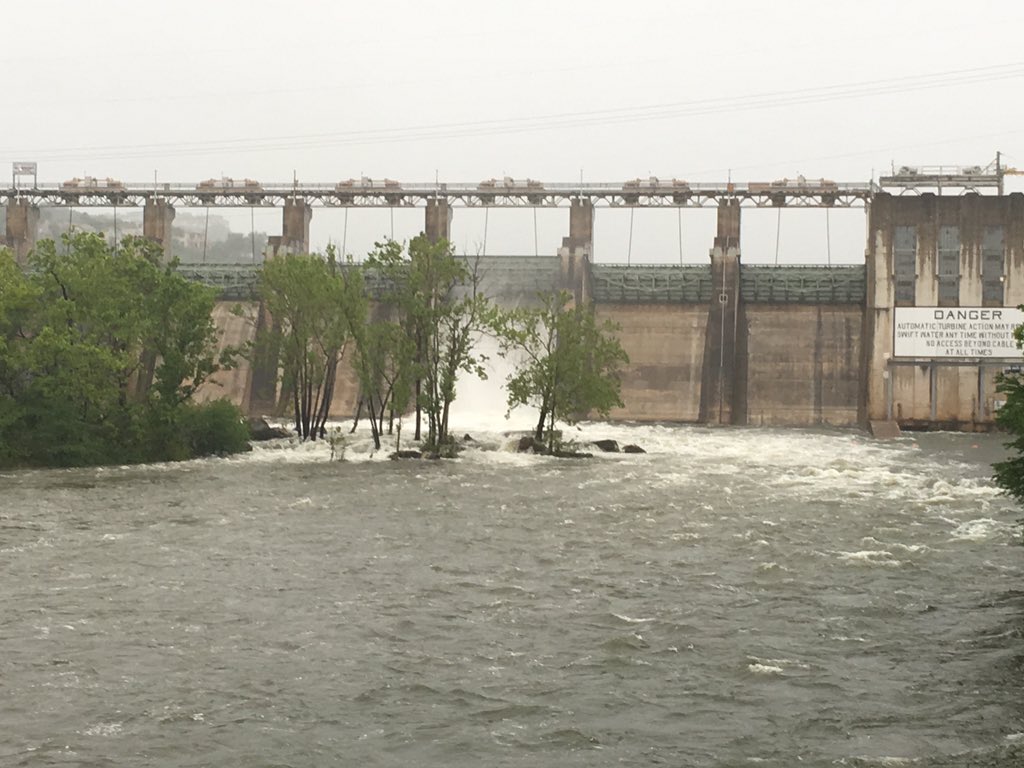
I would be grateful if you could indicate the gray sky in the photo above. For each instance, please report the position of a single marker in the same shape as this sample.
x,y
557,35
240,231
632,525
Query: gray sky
x,y
535,88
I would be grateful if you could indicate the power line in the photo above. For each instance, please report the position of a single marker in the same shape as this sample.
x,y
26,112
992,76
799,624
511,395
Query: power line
x,y
513,125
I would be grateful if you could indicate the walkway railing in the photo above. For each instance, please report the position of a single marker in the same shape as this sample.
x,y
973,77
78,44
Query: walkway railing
x,y
613,283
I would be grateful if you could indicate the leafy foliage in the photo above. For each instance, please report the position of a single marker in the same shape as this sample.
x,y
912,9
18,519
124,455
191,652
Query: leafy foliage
x,y
83,335
438,314
1009,474
569,365
311,304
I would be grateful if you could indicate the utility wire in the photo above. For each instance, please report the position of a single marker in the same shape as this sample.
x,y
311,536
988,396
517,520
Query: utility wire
x,y
670,110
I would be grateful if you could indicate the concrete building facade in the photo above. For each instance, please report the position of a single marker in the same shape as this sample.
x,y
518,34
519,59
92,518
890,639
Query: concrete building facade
x,y
940,253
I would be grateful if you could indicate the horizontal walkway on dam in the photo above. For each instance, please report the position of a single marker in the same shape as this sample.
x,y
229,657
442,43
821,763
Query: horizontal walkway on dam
x,y
693,284
615,283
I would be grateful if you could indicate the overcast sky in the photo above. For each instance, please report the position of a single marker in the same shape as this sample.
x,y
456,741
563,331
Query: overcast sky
x,y
469,90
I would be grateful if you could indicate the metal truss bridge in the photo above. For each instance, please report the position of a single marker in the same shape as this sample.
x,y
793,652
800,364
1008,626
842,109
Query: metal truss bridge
x,y
491,193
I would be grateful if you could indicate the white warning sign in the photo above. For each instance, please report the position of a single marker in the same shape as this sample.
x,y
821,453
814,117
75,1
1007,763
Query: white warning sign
x,y
956,332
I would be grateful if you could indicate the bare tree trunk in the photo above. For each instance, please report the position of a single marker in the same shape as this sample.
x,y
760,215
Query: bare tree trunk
x,y
374,432
418,412
307,396
355,421
538,435
328,395
298,410
380,417
420,352
551,429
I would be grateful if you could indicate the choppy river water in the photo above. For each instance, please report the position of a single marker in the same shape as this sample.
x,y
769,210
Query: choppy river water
x,y
731,597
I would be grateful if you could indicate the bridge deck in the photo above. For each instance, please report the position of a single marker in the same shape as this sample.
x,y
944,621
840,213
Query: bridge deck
x,y
511,194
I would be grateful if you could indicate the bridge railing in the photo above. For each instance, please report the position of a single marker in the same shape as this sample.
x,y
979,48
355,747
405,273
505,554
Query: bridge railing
x,y
765,284
652,283
233,281
612,283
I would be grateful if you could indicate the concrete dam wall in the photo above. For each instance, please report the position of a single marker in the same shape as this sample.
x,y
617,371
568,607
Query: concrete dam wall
x,y
916,336
793,364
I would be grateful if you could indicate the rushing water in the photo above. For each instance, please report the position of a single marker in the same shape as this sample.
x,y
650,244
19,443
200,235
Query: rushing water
x,y
731,597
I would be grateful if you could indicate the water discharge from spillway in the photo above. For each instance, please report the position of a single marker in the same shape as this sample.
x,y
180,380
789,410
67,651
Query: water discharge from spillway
x,y
732,596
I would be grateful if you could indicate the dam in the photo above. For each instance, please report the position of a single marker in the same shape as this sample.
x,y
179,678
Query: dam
x,y
914,337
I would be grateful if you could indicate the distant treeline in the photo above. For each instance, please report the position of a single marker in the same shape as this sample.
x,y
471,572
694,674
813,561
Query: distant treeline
x,y
193,239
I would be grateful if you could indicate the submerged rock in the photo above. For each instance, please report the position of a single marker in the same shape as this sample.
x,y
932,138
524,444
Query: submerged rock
x,y
405,455
259,430
632,449
572,454
528,444
608,446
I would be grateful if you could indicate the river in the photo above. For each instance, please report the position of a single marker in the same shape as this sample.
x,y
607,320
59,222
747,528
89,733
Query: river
x,y
731,597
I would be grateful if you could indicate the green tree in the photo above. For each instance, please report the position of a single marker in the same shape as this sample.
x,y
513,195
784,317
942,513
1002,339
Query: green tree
x,y
383,360
384,354
18,299
83,333
569,363
434,295
311,305
1009,474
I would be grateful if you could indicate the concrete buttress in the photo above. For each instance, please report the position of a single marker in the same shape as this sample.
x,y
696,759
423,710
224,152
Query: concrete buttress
x,y
157,218
438,222
22,228
295,225
722,388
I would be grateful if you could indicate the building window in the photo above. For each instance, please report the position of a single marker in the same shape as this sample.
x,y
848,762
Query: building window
x,y
949,266
904,263
992,267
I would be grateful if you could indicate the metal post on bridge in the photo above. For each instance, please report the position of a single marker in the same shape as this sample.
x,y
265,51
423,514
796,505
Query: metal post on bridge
x,y
20,170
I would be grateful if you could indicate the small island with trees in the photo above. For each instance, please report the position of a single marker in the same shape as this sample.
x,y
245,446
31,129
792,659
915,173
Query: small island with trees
x,y
103,347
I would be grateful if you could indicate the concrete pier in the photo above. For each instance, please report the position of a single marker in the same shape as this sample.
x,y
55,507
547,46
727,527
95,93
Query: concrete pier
x,y
721,391
157,218
574,255
294,237
438,220
22,228
581,225
295,225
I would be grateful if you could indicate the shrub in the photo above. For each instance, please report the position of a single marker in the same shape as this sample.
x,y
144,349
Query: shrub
x,y
215,428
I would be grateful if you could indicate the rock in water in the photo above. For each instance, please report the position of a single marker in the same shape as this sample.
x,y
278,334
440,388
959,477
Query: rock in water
x,y
608,446
405,455
573,455
632,449
259,430
528,444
